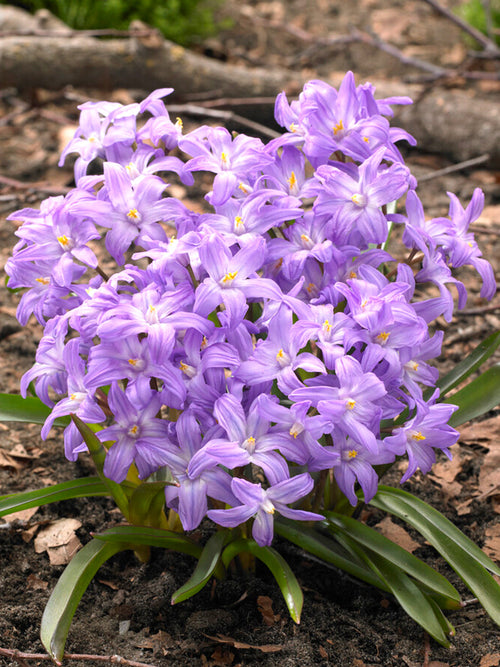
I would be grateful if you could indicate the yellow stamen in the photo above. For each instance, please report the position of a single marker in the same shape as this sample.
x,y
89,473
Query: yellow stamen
x,y
383,336
179,123
133,214
350,403
352,453
418,436
366,139
133,430
353,275
292,181
357,198
243,188
63,240
238,221
73,397
327,327
293,127
223,158
133,362
229,277
280,355
414,366
250,441
338,127
43,281
306,239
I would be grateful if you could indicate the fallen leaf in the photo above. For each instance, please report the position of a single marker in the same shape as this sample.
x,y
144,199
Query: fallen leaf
x,y
265,605
35,583
397,534
490,660
22,515
265,648
492,542
58,539
323,652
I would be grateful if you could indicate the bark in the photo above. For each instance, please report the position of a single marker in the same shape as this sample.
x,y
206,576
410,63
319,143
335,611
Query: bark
x,y
54,62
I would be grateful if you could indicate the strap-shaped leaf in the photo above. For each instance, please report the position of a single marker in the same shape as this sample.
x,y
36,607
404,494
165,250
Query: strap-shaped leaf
x,y
68,591
327,550
205,568
282,572
413,566
153,537
410,597
146,505
15,408
98,453
477,398
470,364
76,488
465,557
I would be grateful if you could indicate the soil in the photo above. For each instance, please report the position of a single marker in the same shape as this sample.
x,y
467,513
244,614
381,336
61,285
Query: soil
x,y
126,610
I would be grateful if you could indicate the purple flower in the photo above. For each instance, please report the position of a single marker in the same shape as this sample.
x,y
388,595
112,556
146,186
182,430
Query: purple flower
x,y
353,406
231,278
248,441
213,149
427,431
354,198
139,436
263,503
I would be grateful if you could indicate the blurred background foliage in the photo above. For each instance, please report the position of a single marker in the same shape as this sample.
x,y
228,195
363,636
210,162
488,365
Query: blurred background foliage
x,y
483,15
183,21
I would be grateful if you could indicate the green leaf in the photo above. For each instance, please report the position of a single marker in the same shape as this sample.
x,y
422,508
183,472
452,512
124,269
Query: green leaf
x,y
465,557
477,398
146,505
413,566
470,364
15,408
205,567
280,569
327,550
76,488
409,596
153,537
68,591
98,453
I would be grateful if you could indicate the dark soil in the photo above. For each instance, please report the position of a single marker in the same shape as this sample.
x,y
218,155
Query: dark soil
x,y
126,610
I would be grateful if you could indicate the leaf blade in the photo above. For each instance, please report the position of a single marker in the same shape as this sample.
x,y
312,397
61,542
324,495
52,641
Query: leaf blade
x,y
77,488
15,408
477,398
153,537
281,571
204,569
381,545
465,557
72,584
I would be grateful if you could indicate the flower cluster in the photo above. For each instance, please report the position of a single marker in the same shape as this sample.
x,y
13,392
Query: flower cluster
x,y
247,348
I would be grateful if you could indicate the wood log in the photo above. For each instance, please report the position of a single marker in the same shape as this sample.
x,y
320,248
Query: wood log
x,y
459,123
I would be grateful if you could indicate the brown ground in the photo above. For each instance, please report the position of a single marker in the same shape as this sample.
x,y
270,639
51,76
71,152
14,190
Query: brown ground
x,y
126,610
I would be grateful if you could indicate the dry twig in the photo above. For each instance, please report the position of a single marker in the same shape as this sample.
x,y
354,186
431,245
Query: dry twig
x,y
21,658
